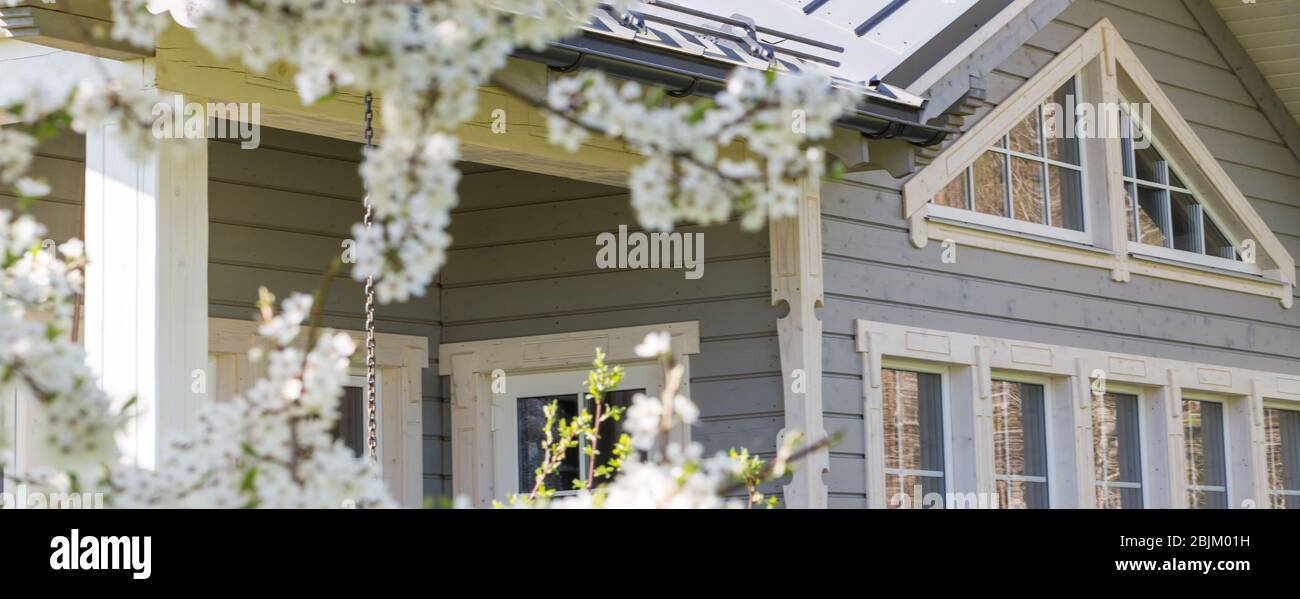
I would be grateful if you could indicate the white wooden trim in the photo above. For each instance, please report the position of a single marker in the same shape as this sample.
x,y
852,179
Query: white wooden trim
x,y
400,360
1162,382
146,280
1118,71
796,270
470,365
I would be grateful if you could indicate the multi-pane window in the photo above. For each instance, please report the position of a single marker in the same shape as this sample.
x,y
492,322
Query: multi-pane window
x,y
1117,461
531,420
1161,210
1206,464
914,454
1282,447
1020,444
1032,174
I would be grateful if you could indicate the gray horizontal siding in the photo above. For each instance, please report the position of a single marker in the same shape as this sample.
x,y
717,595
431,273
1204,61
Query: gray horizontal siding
x,y
278,215
61,162
523,263
872,271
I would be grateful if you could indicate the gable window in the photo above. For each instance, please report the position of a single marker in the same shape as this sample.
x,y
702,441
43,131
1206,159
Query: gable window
x,y
1282,448
1206,463
1162,212
1020,444
1117,461
912,405
1056,170
1033,174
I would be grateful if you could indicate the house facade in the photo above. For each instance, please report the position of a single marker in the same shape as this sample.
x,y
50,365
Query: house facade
x,y
1058,272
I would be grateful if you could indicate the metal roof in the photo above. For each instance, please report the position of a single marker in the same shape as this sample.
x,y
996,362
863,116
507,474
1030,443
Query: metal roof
x,y
856,41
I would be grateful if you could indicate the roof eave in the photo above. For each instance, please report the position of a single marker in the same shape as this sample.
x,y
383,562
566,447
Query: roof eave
x,y
684,75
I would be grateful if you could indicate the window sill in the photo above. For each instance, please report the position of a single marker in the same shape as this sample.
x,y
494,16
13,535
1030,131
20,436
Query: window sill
x,y
1185,259
928,227
1010,226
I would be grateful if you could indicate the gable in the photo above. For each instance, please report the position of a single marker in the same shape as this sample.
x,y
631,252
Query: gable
x,y
1109,73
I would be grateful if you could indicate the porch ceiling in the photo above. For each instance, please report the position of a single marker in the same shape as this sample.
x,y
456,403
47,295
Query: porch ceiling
x,y
1269,30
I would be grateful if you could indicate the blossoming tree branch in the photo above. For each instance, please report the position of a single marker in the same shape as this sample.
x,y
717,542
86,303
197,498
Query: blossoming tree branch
x,y
736,155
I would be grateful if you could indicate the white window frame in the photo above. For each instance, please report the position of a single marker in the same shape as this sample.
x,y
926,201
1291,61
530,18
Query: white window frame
x,y
1010,223
644,375
399,361
1049,437
1226,432
1142,403
475,417
1291,407
945,402
1161,385
1106,69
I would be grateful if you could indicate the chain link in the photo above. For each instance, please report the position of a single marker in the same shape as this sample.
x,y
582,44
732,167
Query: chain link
x,y
372,408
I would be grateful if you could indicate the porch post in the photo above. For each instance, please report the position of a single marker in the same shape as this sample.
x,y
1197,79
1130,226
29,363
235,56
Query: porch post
x,y
146,282
796,257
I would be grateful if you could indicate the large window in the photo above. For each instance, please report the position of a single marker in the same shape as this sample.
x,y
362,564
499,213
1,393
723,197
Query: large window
x,y
1162,211
1020,444
1117,459
912,403
1282,445
1206,468
1032,174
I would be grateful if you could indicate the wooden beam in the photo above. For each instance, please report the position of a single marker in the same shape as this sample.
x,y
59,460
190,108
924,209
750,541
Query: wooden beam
x,y
183,66
146,282
77,27
796,266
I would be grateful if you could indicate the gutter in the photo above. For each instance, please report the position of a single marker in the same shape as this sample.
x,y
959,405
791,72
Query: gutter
x,y
684,75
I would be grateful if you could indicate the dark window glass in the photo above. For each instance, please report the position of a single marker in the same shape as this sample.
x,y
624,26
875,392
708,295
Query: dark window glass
x,y
990,180
1058,125
1066,193
1207,477
954,193
1153,217
1282,447
532,425
1116,450
912,404
1185,217
1020,444
531,421
351,425
1216,243
1027,189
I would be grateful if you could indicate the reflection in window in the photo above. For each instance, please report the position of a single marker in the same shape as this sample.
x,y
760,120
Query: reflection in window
x,y
531,421
1031,174
912,403
1020,444
1282,448
1207,477
1116,447
1167,214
